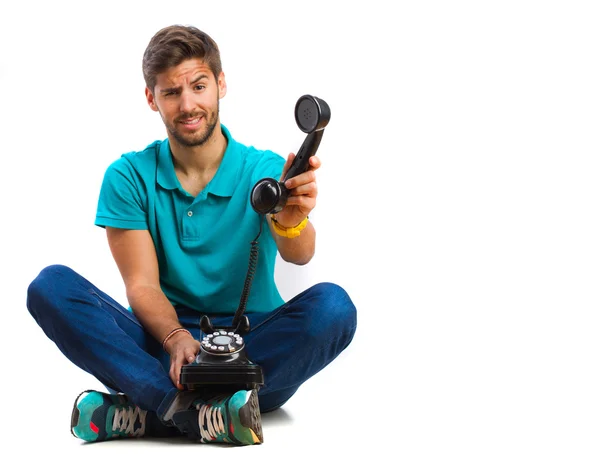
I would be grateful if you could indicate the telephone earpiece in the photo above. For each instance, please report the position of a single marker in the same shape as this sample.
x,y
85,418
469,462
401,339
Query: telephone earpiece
x,y
312,116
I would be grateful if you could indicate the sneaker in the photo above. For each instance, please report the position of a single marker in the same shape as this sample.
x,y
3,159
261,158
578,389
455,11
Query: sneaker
x,y
233,419
100,416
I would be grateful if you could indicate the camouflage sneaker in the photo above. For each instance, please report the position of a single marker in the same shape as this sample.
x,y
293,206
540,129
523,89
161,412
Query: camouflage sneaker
x,y
100,416
233,419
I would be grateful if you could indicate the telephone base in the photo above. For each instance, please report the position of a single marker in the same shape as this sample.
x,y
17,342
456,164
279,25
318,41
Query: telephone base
x,y
239,377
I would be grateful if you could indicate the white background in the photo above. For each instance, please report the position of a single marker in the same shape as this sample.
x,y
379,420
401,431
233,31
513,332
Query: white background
x,y
458,206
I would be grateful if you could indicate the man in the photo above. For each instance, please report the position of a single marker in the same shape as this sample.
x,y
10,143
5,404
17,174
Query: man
x,y
179,225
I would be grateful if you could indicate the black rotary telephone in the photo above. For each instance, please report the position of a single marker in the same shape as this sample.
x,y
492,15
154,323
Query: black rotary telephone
x,y
222,360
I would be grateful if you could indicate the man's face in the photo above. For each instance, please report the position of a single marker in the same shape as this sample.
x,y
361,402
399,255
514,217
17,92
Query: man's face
x,y
187,98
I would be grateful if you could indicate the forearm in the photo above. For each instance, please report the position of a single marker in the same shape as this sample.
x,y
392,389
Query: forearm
x,y
298,250
154,311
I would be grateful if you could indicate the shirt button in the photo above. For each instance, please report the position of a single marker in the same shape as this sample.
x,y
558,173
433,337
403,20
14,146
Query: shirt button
x,y
190,213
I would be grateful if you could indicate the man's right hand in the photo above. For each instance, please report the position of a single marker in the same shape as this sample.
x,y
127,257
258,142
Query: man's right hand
x,y
183,350
134,252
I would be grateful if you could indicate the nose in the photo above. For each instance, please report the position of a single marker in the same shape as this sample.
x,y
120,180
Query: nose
x,y
186,103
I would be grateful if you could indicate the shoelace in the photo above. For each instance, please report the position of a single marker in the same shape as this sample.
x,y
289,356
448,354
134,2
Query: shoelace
x,y
210,421
124,420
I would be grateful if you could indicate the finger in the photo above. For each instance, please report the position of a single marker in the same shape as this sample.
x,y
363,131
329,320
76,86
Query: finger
x,y
175,370
178,375
190,354
301,179
187,356
306,204
173,375
315,163
310,190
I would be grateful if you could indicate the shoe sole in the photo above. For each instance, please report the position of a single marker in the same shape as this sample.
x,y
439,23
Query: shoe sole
x,y
250,417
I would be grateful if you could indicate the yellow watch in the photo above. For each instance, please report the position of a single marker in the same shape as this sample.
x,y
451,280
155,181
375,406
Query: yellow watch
x,y
288,232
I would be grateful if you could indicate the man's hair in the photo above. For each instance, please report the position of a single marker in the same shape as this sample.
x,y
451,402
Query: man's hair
x,y
174,44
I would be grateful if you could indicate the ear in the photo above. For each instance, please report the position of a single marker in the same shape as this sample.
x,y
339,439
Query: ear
x,y
222,85
150,99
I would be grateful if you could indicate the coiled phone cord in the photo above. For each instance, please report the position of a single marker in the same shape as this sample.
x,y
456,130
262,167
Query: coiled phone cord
x,y
252,264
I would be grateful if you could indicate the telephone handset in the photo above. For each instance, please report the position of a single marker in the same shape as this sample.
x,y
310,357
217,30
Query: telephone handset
x,y
312,116
222,360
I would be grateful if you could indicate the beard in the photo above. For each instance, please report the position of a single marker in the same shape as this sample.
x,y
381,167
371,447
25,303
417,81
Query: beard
x,y
199,137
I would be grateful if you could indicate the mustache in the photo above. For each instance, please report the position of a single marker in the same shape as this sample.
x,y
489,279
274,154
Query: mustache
x,y
189,116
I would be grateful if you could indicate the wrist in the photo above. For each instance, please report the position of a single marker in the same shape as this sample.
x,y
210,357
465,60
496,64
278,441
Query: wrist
x,y
288,231
174,336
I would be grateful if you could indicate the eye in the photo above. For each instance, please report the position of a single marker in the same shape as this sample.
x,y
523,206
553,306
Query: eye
x,y
199,87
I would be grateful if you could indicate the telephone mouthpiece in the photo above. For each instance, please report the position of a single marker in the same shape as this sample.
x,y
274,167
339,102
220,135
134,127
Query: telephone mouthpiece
x,y
265,196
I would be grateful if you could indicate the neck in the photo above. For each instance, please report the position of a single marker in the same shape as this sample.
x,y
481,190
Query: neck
x,y
199,159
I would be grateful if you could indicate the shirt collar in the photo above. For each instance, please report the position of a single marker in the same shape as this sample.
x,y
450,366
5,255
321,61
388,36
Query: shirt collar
x,y
225,179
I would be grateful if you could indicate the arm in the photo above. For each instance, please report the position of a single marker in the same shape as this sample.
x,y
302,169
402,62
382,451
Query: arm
x,y
134,253
300,203
299,250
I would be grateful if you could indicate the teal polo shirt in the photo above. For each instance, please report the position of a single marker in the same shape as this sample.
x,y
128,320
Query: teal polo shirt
x,y
202,243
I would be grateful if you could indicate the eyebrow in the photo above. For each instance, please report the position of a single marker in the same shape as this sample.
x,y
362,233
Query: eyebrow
x,y
178,88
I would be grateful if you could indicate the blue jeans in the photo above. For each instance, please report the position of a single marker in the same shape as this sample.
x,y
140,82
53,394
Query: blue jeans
x,y
291,343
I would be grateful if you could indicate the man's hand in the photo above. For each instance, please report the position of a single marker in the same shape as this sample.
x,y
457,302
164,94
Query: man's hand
x,y
183,350
303,195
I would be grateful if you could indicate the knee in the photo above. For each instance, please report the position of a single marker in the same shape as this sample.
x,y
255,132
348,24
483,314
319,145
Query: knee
x,y
47,282
334,310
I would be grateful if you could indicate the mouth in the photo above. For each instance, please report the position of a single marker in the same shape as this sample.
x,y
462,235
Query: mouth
x,y
192,123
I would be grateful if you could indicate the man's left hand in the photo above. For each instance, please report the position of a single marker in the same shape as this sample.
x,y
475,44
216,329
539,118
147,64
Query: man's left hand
x,y
303,193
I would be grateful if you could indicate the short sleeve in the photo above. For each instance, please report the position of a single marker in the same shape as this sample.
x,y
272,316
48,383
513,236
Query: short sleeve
x,y
121,201
269,165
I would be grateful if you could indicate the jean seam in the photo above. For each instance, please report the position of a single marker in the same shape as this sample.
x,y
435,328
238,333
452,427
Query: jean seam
x,y
271,317
126,315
